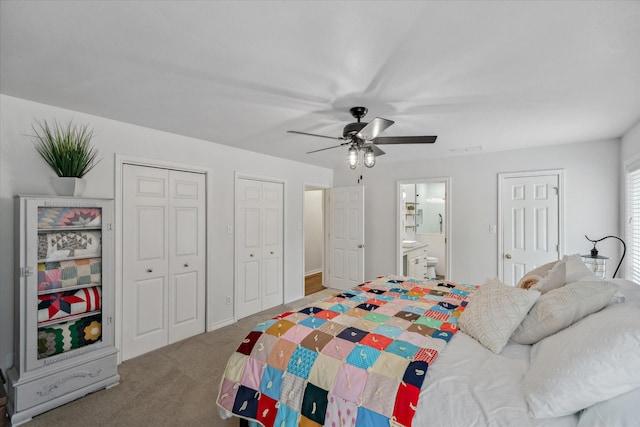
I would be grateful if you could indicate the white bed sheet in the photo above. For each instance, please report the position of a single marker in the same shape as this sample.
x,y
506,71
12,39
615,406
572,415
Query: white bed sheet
x,y
469,385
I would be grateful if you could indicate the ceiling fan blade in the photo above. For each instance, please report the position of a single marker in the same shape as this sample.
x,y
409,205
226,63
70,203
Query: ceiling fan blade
x,y
405,140
376,150
315,134
373,128
328,148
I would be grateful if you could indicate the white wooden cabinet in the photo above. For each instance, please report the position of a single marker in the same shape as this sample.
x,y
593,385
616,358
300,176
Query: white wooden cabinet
x,y
417,262
64,337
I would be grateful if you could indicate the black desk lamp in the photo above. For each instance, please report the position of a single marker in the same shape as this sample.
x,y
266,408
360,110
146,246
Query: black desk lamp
x,y
594,252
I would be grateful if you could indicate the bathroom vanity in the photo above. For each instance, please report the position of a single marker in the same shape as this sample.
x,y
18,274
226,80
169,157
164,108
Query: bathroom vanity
x,y
414,261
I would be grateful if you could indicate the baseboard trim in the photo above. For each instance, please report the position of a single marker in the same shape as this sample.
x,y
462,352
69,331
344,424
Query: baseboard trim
x,y
221,324
312,272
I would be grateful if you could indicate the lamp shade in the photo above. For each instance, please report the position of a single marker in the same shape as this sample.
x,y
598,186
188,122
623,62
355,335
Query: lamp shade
x,y
369,157
352,155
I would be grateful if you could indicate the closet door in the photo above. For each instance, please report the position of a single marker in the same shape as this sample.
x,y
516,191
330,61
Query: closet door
x,y
145,267
248,247
187,259
259,246
272,275
164,267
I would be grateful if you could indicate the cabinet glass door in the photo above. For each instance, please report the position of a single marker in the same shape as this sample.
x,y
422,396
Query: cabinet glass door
x,y
69,285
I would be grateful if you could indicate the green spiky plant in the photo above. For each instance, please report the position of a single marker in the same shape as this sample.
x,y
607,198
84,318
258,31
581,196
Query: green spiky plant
x,y
67,148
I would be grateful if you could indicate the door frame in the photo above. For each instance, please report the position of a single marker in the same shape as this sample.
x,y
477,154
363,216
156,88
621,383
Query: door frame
x,y
547,172
447,223
307,186
120,161
243,175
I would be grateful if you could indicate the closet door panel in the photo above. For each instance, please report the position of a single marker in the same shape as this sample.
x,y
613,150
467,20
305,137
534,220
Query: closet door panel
x,y
272,248
185,297
145,267
248,247
187,257
150,312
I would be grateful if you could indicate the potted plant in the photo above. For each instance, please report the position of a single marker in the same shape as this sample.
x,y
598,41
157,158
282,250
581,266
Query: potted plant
x,y
67,150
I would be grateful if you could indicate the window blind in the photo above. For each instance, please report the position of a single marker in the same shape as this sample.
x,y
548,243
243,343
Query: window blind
x,y
633,224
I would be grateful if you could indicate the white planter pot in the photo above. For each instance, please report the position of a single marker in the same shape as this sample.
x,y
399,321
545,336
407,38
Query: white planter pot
x,y
68,186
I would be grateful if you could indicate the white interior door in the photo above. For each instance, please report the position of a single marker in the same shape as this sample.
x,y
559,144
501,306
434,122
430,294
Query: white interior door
x,y
272,206
346,237
187,269
259,245
530,226
163,250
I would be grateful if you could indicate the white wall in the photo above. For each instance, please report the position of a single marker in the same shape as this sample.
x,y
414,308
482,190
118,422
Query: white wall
x,y
631,143
23,172
591,202
313,231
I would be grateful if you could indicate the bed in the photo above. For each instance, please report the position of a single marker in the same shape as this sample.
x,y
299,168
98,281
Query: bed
x,y
560,349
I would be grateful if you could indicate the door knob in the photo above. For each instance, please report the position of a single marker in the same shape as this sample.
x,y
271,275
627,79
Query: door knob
x,y
149,270
186,264
360,246
508,256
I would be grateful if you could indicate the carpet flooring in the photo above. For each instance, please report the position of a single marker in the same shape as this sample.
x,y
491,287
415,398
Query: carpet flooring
x,y
174,386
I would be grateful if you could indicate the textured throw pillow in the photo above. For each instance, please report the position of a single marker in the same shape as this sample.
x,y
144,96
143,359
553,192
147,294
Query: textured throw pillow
x,y
494,312
545,278
562,307
576,269
596,359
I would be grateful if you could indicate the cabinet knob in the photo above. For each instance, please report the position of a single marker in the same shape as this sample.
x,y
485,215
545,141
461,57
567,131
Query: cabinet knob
x,y
271,252
186,264
251,255
149,270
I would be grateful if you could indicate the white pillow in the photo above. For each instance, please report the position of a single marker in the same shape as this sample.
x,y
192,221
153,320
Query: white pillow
x,y
576,269
545,278
596,359
494,312
562,307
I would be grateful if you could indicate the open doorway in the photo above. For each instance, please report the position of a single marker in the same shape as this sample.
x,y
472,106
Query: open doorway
x,y
423,228
314,244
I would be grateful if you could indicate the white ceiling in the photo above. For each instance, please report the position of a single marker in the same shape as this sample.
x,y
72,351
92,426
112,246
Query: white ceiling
x,y
497,74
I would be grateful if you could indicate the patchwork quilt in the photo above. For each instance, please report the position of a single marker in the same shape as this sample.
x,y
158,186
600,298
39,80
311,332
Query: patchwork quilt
x,y
68,244
63,274
49,217
357,358
70,335
59,305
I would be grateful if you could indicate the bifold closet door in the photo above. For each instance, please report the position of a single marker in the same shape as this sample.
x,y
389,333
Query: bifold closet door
x,y
163,238
259,245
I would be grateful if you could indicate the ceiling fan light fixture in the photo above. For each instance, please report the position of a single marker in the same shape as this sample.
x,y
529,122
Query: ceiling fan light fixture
x,y
363,136
352,156
369,157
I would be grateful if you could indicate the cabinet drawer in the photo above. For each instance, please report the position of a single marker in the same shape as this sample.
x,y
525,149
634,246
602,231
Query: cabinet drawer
x,y
60,383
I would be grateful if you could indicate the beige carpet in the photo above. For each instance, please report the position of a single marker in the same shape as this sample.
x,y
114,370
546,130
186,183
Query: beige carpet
x,y
174,386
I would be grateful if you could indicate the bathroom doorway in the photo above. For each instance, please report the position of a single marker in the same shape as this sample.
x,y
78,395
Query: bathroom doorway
x,y
423,228
314,242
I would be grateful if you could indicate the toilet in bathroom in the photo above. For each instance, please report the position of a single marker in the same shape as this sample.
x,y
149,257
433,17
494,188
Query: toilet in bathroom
x,y
431,267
